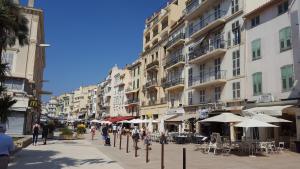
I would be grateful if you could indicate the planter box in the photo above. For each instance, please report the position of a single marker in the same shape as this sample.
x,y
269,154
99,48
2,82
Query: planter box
x,y
66,137
79,136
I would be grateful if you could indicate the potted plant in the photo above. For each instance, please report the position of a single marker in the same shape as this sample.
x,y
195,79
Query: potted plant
x,y
80,130
66,134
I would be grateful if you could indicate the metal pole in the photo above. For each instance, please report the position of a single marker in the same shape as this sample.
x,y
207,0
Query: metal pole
x,y
114,139
147,153
162,156
135,149
184,158
127,145
120,147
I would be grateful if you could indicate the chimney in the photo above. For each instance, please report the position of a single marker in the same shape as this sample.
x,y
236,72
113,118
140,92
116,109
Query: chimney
x,y
30,3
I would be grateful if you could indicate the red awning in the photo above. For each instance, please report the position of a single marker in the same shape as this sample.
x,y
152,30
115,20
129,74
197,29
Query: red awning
x,y
120,118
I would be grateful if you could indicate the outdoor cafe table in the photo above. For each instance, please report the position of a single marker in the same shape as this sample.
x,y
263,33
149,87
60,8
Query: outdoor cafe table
x,y
181,139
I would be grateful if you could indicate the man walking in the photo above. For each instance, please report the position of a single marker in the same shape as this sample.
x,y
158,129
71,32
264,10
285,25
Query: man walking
x,y
6,146
45,133
35,133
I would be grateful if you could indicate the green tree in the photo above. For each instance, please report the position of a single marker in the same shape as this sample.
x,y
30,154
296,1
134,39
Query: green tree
x,y
13,29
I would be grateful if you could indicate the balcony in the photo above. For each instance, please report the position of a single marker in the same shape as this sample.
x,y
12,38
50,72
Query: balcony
x,y
130,90
156,102
204,51
173,84
177,40
207,24
151,84
132,102
153,65
174,61
197,7
208,79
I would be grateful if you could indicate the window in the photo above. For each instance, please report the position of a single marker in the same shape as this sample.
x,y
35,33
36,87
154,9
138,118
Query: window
x,y
145,61
236,90
156,55
256,51
228,39
287,77
138,83
190,73
257,83
202,96
14,84
8,57
234,6
236,33
138,70
255,21
217,93
133,72
133,84
283,7
285,39
202,73
236,63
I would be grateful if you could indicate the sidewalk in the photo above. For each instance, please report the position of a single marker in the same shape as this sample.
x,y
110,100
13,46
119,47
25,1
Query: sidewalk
x,y
79,154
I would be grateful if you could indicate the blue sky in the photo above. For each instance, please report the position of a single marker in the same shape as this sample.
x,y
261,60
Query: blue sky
x,y
88,37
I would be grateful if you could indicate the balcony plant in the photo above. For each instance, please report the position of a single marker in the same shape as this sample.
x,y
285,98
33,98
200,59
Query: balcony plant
x,y
13,27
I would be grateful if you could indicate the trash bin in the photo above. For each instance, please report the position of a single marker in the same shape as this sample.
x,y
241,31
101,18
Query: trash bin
x,y
297,146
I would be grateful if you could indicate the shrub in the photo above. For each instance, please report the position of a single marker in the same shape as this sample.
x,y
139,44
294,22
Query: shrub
x,y
81,129
51,126
66,132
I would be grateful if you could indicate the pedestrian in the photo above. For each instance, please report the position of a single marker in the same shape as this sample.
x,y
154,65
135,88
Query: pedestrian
x,y
35,133
143,135
114,129
6,147
93,132
135,134
45,133
105,134
147,140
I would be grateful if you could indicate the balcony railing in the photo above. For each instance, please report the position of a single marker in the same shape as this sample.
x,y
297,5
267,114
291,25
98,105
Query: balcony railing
x,y
204,48
152,64
172,60
151,83
173,82
205,21
207,77
132,101
191,7
175,39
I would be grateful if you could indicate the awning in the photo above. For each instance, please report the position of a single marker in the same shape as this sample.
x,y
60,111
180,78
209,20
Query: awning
x,y
120,118
270,110
179,110
253,123
269,119
166,117
183,118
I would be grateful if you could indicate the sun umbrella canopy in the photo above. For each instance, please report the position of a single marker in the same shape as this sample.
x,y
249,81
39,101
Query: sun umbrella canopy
x,y
253,123
269,119
95,121
224,118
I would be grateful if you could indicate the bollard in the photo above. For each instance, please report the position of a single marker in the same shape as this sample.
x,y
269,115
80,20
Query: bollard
x,y
127,145
147,153
135,149
162,156
184,158
114,139
120,146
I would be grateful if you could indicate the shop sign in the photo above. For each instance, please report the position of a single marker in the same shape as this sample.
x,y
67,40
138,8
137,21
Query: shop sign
x,y
33,103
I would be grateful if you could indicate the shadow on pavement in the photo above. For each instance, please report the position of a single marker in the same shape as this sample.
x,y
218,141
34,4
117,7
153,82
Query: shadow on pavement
x,y
47,159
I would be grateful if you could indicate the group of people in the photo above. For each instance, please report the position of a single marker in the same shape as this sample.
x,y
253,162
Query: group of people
x,y
36,131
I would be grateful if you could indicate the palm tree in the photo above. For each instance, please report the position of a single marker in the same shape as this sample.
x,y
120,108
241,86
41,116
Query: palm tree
x,y
13,28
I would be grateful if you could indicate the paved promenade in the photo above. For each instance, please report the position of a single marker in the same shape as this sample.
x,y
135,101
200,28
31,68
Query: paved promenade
x,y
77,154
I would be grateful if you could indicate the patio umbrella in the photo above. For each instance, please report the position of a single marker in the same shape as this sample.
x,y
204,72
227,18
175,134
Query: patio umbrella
x,y
224,118
95,121
269,119
251,123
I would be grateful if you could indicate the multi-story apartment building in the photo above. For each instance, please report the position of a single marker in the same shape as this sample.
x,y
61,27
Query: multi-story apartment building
x,y
107,93
92,103
26,67
216,60
133,91
272,63
81,101
100,101
66,104
53,107
156,34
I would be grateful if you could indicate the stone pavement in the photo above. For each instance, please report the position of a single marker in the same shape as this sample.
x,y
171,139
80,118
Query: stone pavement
x,y
74,154
195,159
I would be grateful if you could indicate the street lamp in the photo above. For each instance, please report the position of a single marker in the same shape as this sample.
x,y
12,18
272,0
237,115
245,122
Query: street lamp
x,y
44,45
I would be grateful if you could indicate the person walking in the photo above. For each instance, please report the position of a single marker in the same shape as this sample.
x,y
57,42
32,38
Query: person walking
x,y
35,133
135,134
93,132
45,133
6,147
105,135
